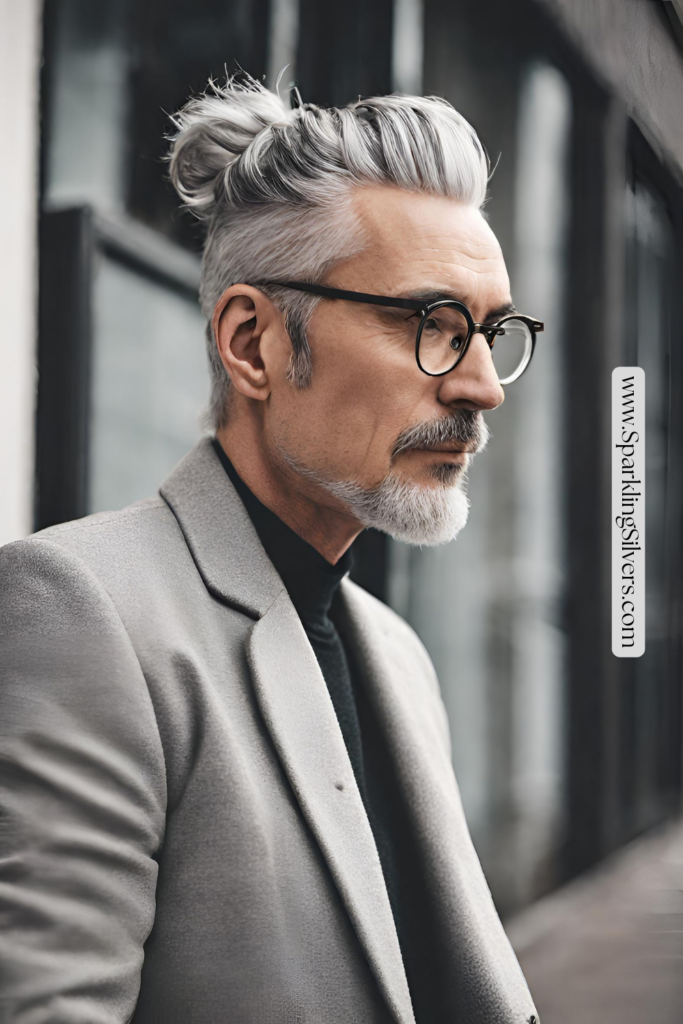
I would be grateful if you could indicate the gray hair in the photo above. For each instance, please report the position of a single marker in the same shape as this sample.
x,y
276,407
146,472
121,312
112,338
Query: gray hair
x,y
275,185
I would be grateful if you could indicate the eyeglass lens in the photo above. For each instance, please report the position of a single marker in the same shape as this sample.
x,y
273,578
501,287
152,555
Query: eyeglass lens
x,y
444,334
442,339
512,351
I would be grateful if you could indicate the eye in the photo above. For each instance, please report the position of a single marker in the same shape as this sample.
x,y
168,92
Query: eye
x,y
456,343
431,324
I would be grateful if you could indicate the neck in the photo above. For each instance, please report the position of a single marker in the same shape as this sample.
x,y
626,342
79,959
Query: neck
x,y
292,498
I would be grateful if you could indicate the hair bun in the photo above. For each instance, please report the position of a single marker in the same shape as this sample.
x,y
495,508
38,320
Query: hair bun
x,y
213,131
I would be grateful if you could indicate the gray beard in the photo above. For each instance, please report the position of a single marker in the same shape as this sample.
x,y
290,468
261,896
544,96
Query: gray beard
x,y
414,513
417,514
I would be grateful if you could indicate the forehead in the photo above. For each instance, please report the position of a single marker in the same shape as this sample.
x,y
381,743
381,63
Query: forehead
x,y
421,243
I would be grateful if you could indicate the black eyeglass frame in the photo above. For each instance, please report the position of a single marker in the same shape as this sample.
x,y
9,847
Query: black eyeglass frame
x,y
425,308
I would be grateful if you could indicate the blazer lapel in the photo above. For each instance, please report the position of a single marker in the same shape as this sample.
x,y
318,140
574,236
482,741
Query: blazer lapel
x,y
298,711
484,979
294,702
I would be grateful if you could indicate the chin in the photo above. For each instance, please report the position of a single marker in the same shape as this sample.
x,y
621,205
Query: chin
x,y
426,516
429,511
425,513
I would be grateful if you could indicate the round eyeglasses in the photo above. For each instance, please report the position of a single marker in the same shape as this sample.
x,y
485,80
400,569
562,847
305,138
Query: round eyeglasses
x,y
445,328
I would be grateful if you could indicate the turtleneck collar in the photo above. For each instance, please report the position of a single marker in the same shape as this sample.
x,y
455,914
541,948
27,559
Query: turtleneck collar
x,y
311,580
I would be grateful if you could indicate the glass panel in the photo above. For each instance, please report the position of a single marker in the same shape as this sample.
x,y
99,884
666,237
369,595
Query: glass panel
x,y
150,383
87,104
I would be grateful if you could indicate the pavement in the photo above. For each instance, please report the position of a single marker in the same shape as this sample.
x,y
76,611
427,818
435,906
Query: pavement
x,y
608,947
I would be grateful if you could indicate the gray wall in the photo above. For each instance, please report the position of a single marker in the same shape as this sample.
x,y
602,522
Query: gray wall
x,y
632,47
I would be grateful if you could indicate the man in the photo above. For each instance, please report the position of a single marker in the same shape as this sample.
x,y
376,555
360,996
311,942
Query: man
x,y
227,788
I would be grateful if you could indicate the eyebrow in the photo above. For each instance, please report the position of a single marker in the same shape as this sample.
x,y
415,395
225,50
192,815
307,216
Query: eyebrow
x,y
438,296
496,314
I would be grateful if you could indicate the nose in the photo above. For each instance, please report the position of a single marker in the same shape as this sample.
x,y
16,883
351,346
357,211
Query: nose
x,y
473,383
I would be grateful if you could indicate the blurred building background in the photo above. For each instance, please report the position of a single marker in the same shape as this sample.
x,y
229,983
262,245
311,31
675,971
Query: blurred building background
x,y
564,753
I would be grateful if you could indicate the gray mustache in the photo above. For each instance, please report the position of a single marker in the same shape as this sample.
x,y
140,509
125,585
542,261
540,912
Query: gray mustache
x,y
464,427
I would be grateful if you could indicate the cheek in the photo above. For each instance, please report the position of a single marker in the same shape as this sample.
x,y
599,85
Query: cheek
x,y
360,386
366,389
360,366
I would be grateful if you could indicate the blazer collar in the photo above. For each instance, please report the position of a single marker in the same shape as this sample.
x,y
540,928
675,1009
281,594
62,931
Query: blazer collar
x,y
219,532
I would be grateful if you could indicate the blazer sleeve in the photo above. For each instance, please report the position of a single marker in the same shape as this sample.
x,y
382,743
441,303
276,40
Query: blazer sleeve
x,y
82,796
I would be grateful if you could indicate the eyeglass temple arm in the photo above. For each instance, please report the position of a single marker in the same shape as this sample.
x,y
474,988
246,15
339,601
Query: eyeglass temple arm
x,y
339,293
416,305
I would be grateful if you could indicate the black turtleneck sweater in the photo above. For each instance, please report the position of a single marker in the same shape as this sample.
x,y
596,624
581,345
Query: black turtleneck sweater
x,y
312,584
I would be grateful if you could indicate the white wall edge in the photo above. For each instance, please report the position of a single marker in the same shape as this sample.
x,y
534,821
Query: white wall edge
x,y
20,45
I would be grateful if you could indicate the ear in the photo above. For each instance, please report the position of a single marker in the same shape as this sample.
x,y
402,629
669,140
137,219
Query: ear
x,y
241,317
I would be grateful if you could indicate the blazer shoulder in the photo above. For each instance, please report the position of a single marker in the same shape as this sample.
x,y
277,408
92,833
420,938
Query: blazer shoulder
x,y
141,540
149,515
46,587
64,645
64,572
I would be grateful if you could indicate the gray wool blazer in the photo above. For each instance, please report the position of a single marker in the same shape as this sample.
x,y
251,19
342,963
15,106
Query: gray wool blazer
x,y
182,839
